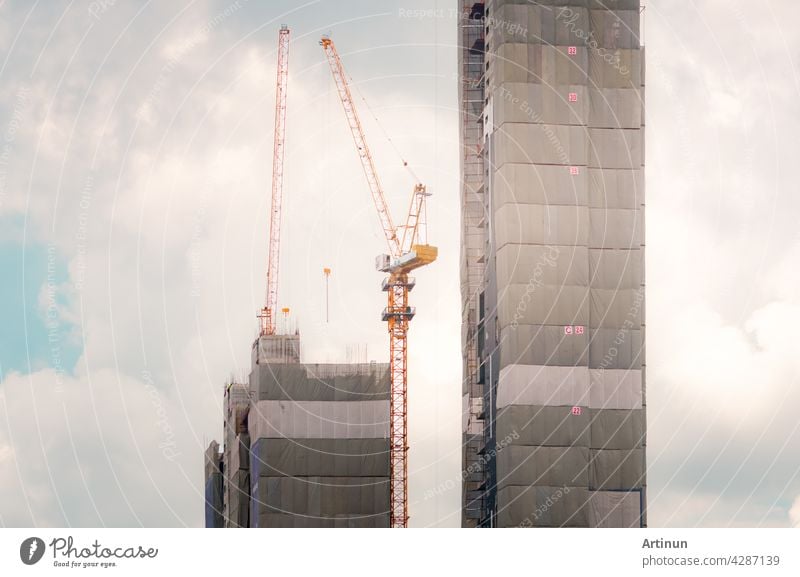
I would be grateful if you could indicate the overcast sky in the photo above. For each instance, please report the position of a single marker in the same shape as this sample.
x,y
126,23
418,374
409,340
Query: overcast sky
x,y
135,163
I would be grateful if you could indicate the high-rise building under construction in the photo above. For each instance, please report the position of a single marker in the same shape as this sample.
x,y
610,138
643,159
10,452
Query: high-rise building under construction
x,y
552,263
305,445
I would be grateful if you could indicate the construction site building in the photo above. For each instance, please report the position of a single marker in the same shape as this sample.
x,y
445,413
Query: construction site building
x,y
306,445
552,263
213,486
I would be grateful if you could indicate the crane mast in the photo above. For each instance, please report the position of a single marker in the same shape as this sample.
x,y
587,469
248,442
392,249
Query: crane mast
x,y
268,313
405,255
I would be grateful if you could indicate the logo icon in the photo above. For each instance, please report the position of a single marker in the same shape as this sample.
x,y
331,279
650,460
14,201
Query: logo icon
x,y
31,551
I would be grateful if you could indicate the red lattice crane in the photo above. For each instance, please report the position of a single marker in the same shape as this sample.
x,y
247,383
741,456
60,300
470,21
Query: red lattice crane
x,y
269,312
406,253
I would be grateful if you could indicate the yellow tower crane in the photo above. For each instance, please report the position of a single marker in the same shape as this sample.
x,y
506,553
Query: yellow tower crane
x,y
406,253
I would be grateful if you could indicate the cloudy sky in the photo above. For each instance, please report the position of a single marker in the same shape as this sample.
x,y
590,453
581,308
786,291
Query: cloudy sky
x,y
135,161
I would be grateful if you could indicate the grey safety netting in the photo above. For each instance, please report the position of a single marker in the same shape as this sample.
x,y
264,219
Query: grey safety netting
x,y
614,228
279,521
534,143
323,496
275,349
616,348
544,185
238,506
213,501
566,139
541,66
616,469
305,445
612,307
535,265
542,385
542,506
319,419
320,457
283,382
320,483
316,501
471,93
315,449
624,73
546,225
616,188
524,102
614,508
538,425
569,386
616,388
615,148
236,456
550,305
240,453
551,466
237,473
617,429
616,269
213,487
211,459
543,345
615,108
548,425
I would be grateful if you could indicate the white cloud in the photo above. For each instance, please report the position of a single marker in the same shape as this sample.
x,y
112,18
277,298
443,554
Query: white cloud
x,y
100,450
164,222
674,508
178,204
794,513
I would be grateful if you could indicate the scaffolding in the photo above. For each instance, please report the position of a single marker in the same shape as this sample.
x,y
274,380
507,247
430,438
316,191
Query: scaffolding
x,y
472,94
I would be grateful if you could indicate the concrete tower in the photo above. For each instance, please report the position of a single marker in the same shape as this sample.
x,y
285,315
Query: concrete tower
x,y
552,262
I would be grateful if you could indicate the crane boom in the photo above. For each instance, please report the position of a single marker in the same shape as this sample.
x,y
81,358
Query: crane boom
x,y
364,155
405,256
268,313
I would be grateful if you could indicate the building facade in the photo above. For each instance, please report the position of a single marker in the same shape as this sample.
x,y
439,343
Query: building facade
x,y
306,445
552,264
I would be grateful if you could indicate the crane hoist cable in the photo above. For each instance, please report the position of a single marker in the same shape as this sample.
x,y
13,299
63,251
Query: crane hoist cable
x,y
374,116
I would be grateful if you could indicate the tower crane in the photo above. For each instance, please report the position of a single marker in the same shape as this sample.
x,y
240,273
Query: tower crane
x,y
269,312
407,251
